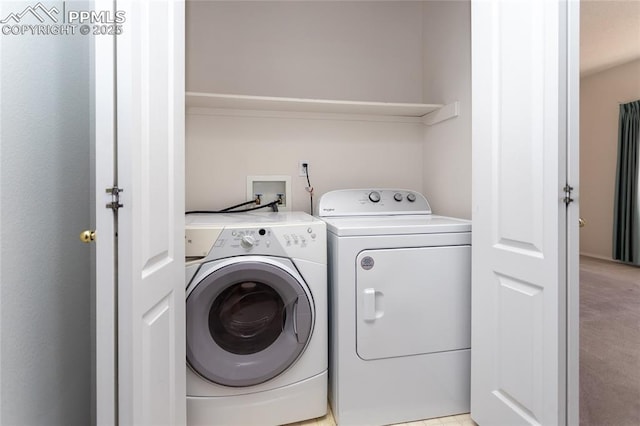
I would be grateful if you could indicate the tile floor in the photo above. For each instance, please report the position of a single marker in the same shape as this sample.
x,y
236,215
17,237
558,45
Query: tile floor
x,y
459,420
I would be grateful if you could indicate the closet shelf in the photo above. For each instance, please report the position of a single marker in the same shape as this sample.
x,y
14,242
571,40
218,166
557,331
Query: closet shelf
x,y
265,103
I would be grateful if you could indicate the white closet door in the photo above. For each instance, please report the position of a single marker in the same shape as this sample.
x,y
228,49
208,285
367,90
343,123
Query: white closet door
x,y
519,272
148,125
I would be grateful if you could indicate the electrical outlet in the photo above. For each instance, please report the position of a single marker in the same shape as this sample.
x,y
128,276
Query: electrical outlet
x,y
302,171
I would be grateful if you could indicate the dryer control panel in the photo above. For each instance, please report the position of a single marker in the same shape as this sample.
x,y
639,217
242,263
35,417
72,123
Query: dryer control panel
x,y
373,202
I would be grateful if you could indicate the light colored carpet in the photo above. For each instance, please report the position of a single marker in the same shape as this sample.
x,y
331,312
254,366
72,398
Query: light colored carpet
x,y
609,343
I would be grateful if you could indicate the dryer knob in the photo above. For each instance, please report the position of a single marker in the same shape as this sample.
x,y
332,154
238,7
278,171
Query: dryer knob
x,y
374,196
247,241
411,197
397,196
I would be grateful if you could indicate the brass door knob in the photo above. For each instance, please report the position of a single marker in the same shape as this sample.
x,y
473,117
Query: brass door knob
x,y
87,236
582,222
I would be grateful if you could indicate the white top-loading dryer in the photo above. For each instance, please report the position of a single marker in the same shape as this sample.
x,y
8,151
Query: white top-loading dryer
x,y
400,307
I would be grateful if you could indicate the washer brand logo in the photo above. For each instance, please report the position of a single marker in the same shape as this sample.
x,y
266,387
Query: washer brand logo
x,y
367,263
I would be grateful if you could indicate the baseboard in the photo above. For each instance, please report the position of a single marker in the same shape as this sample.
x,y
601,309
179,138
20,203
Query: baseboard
x,y
607,259
597,256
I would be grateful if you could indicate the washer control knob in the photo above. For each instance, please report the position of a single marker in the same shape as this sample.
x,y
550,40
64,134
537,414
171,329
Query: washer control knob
x,y
411,197
247,241
374,196
397,196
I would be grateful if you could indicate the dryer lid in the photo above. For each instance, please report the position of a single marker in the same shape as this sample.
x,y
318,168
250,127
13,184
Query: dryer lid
x,y
395,225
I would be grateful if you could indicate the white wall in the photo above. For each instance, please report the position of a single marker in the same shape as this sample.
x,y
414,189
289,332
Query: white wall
x,y
328,50
353,50
399,51
222,150
600,96
447,78
44,193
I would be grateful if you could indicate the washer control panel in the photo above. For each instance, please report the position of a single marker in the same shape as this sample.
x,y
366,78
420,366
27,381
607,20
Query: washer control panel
x,y
363,202
252,238
307,240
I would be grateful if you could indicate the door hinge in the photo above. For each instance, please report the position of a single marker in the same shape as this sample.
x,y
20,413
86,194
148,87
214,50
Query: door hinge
x,y
567,194
115,198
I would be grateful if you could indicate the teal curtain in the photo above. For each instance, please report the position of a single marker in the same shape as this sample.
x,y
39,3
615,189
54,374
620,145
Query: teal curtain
x,y
626,219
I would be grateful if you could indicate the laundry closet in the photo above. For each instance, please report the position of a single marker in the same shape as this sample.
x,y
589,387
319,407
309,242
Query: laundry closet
x,y
369,94
322,82
379,94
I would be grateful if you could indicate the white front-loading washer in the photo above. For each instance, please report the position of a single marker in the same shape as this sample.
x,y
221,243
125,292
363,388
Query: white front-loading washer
x,y
400,308
256,307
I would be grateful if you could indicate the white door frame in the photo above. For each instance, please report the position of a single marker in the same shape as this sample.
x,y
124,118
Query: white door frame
x,y
105,278
573,212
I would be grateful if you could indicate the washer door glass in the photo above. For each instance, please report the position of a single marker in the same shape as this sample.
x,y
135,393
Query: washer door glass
x,y
246,323
247,318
